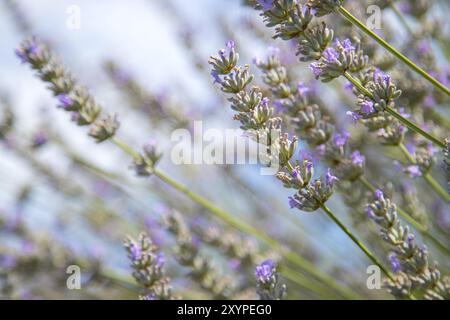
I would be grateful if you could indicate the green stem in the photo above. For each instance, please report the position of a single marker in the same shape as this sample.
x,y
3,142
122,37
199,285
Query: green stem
x,y
357,241
406,153
353,20
246,228
360,245
427,177
411,125
437,187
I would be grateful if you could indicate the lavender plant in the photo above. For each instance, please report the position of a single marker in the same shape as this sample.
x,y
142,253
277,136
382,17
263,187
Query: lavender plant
x,y
148,264
410,262
341,60
316,128
374,97
187,254
256,117
248,252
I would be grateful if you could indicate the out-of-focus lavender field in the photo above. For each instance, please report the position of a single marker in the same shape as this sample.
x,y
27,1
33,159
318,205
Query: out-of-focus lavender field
x,y
223,231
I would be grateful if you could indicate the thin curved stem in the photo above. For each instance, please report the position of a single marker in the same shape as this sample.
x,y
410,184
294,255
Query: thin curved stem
x,y
355,21
411,125
246,228
361,246
357,242
437,187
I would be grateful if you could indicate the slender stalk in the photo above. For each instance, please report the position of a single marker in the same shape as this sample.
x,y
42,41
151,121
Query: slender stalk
x,y
246,228
357,241
437,187
414,127
411,125
353,20
360,245
427,177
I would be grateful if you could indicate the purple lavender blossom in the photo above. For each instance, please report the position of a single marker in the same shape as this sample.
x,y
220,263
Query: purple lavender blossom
x,y
31,48
357,158
341,139
216,77
346,44
413,171
231,44
381,77
265,271
379,194
395,263
316,69
265,4
65,100
293,203
354,115
331,55
367,107
136,251
330,178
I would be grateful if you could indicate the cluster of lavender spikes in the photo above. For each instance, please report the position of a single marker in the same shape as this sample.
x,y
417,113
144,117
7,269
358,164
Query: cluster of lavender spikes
x,y
187,254
256,116
311,120
342,59
413,273
148,265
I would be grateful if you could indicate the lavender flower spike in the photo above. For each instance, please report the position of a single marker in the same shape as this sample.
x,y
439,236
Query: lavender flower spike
x,y
147,264
267,281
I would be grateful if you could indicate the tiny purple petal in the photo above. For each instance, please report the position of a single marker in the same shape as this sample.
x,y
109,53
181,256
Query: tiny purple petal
x,y
379,194
357,158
